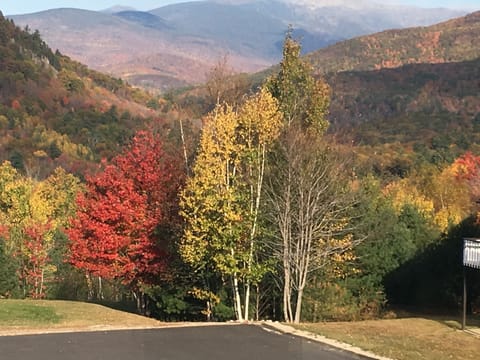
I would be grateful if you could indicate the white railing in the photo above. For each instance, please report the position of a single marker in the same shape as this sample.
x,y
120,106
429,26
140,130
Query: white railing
x,y
471,252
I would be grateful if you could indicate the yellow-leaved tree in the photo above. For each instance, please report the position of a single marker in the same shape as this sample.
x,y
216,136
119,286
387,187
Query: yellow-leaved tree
x,y
33,213
221,200
439,195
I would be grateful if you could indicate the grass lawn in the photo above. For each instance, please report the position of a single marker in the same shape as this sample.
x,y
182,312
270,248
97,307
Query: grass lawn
x,y
404,339
52,314
12,313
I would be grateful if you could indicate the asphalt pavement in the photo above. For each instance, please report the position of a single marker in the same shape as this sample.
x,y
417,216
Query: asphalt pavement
x,y
232,342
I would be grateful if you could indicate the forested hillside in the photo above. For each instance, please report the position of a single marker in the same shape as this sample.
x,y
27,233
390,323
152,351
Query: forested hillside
x,y
408,95
55,111
450,41
264,209
431,111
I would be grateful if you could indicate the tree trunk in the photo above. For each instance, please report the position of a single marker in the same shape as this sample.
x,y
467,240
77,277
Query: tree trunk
x,y
287,296
184,145
42,279
238,301
298,306
257,304
89,286
247,300
140,301
100,295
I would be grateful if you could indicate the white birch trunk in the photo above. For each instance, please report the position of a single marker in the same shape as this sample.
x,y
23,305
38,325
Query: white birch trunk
x,y
238,300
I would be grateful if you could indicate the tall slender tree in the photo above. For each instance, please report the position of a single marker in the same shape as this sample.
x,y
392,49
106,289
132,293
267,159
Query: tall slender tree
x,y
307,195
310,203
221,201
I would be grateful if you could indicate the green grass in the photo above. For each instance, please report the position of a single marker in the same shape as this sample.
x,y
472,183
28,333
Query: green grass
x,y
50,314
18,314
404,339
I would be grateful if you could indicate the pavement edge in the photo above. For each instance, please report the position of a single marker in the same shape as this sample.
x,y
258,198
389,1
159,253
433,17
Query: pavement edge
x,y
285,329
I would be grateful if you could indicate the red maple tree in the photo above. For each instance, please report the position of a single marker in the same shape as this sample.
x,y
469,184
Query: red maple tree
x,y
467,168
37,258
116,234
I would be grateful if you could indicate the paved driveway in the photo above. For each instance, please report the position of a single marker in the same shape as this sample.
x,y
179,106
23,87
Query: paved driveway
x,y
231,342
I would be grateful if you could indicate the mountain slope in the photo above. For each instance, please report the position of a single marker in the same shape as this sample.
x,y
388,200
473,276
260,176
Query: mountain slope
x,y
396,79
385,95
451,41
154,48
399,118
57,112
417,92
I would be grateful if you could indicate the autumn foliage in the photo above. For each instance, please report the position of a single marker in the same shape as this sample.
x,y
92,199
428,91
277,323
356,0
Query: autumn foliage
x,y
37,255
467,167
467,170
114,233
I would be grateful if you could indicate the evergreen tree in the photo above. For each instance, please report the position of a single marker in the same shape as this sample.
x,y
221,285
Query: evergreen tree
x,y
8,276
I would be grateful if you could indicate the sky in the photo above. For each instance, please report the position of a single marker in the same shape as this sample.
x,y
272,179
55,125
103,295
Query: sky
x,y
14,7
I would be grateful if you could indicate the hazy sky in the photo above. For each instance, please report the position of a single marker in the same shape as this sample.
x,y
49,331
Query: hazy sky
x,y
12,7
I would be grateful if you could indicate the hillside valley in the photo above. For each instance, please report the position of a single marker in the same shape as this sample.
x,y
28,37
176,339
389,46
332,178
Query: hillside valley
x,y
175,45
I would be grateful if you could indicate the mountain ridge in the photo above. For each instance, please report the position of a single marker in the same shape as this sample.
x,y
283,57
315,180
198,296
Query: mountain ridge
x,y
449,41
250,33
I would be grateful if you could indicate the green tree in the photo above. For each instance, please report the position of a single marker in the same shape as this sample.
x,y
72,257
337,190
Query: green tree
x,y
387,245
303,100
8,276
395,236
308,192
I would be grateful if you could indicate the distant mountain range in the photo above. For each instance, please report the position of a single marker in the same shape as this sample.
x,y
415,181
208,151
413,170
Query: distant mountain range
x,y
176,45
